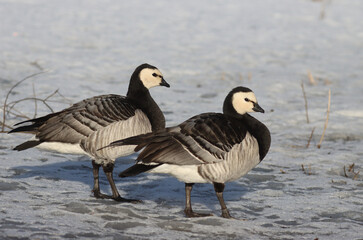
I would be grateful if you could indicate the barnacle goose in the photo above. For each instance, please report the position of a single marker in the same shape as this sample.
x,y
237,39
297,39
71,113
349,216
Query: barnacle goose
x,y
98,121
207,148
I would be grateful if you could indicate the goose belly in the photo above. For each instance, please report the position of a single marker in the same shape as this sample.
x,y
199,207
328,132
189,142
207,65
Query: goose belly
x,y
184,173
136,125
62,147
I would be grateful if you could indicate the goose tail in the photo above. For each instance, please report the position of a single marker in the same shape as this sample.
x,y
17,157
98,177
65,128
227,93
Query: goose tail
x,y
137,169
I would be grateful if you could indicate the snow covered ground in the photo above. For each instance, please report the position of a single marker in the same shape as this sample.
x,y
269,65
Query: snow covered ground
x,y
204,49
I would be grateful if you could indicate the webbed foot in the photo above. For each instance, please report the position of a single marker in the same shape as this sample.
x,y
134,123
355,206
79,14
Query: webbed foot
x,y
192,214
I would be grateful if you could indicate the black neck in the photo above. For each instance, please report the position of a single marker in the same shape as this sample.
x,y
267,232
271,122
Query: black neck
x,y
259,131
228,108
254,127
139,95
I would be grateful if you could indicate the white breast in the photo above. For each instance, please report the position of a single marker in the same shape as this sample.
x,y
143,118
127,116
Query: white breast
x,y
184,173
239,160
138,124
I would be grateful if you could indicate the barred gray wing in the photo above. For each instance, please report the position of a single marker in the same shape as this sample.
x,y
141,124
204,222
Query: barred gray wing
x,y
83,118
205,138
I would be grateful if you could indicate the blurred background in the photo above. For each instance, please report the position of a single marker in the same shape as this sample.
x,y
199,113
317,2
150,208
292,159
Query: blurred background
x,y
203,47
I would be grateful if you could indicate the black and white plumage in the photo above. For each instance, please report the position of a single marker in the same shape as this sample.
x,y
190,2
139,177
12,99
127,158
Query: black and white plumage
x,y
207,148
95,122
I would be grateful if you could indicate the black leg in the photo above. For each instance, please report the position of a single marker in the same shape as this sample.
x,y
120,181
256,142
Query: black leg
x,y
188,205
219,187
108,169
96,184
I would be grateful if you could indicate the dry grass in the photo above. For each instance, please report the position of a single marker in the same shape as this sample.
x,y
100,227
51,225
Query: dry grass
x,y
311,136
354,174
313,82
7,96
311,79
326,121
306,103
306,171
9,108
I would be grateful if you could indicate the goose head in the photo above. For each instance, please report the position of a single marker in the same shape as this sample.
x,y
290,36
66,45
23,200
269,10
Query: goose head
x,y
241,100
150,76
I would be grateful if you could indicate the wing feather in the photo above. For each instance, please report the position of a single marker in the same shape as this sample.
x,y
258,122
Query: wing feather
x,y
80,120
205,138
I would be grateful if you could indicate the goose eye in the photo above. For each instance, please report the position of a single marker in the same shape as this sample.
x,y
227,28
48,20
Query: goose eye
x,y
247,100
155,75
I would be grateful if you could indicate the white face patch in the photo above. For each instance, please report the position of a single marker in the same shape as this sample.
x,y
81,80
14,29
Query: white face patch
x,y
243,102
150,77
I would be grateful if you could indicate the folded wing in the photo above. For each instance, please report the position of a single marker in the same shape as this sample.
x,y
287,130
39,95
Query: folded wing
x,y
205,138
80,120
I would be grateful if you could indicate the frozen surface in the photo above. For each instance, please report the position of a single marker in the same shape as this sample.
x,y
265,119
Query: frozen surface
x,y
204,49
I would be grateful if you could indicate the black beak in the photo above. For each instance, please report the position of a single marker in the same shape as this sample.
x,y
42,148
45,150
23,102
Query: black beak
x,y
164,83
257,108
